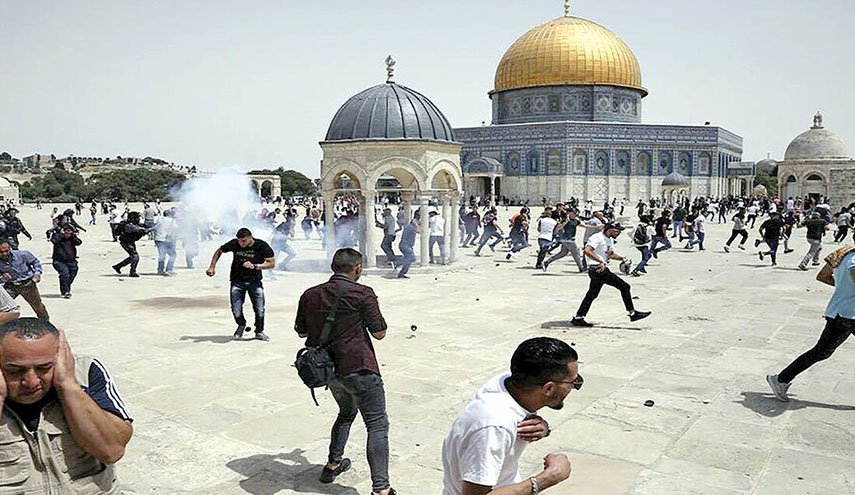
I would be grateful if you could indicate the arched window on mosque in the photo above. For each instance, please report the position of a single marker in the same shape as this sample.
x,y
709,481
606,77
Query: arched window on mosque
x,y
791,179
580,162
514,162
602,161
532,163
622,161
704,163
644,162
553,161
814,177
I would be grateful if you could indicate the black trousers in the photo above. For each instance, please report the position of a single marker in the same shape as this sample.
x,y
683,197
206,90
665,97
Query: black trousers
x,y
733,235
598,280
133,258
836,331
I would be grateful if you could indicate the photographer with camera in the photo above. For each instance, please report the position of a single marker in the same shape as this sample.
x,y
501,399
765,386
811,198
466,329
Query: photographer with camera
x,y
130,231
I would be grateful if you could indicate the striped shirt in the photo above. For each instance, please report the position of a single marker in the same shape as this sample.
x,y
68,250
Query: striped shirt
x,y
7,304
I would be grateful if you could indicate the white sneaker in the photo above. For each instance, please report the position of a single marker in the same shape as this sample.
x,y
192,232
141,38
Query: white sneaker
x,y
778,388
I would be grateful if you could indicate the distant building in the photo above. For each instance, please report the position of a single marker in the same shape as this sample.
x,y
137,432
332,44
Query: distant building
x,y
35,163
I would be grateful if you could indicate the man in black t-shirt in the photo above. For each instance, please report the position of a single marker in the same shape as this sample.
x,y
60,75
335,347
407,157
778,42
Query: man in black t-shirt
x,y
250,257
816,228
771,230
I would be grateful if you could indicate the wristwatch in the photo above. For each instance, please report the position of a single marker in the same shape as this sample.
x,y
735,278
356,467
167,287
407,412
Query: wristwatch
x,y
535,490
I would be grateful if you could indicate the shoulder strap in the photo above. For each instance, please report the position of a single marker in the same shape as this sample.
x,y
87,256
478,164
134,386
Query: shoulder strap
x,y
330,319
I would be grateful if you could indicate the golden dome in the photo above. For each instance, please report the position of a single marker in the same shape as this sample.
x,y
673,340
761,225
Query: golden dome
x,y
568,51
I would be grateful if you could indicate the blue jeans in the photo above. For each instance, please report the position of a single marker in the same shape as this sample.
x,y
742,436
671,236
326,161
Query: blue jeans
x,y
440,241
666,244
363,393
646,253
238,291
773,249
165,249
699,239
518,243
386,246
408,257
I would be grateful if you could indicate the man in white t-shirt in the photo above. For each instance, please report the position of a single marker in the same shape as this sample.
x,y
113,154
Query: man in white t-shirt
x,y
480,454
598,253
436,225
545,233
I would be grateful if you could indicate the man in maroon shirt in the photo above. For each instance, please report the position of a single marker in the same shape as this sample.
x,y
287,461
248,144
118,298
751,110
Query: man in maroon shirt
x,y
357,386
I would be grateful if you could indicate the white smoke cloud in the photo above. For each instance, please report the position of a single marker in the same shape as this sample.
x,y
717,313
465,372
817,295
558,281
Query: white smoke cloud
x,y
224,199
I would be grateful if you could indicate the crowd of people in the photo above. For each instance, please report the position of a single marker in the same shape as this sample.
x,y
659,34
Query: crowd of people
x,y
45,387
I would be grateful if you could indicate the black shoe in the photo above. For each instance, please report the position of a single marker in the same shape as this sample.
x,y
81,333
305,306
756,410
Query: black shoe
x,y
655,254
117,269
760,254
134,275
757,242
239,332
788,251
580,322
67,295
639,315
262,337
643,270
726,249
329,475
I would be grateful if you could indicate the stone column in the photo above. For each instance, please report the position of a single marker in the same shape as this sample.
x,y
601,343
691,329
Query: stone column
x,y
367,220
449,226
424,231
406,203
455,231
329,222
492,191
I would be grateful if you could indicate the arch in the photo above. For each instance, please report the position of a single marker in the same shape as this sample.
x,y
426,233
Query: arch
x,y
353,169
790,178
467,157
553,161
406,170
266,189
814,177
449,169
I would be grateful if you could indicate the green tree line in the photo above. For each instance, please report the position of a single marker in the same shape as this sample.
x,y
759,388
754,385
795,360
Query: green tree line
x,y
59,185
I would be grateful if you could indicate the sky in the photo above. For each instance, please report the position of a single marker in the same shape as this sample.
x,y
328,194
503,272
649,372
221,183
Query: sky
x,y
254,83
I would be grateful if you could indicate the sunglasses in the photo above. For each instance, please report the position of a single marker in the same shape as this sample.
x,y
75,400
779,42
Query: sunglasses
x,y
577,383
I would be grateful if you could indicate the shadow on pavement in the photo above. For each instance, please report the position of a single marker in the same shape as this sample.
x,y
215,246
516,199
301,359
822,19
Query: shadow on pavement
x,y
214,339
269,474
767,405
175,302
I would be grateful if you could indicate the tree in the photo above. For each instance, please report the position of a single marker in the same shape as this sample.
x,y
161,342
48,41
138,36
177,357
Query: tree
x,y
293,183
767,181
134,185
5,156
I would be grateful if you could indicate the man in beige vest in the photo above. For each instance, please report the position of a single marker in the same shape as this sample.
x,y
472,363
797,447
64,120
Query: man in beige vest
x,y
63,423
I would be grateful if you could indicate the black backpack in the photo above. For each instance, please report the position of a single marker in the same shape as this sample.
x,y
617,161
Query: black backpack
x,y
315,365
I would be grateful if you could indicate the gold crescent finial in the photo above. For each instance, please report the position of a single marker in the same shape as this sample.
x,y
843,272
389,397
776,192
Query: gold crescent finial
x,y
566,8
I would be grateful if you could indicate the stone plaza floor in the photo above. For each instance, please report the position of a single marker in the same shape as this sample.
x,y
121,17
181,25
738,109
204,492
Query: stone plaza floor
x,y
215,416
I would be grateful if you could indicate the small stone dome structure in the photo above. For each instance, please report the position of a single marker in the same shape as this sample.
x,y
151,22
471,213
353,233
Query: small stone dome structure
x,y
675,179
391,142
389,111
816,143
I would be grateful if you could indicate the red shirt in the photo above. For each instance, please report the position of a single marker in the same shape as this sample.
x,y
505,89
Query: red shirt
x,y
358,315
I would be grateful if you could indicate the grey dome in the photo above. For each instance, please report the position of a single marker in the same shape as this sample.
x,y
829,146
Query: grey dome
x,y
675,179
768,165
389,111
817,143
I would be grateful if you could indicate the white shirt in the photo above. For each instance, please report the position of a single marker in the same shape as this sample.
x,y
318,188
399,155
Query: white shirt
x,y
437,226
773,207
165,229
751,210
602,245
482,446
545,227
699,224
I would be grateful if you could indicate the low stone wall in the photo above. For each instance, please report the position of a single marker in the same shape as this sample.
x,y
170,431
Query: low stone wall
x,y
841,186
